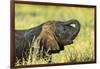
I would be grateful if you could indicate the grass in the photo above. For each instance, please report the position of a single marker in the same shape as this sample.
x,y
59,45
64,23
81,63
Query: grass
x,y
82,50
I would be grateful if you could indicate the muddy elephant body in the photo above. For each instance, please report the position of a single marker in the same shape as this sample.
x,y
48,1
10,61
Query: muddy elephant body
x,y
52,36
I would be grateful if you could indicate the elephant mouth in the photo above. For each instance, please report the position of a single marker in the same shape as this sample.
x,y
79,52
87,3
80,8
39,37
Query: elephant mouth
x,y
67,42
70,41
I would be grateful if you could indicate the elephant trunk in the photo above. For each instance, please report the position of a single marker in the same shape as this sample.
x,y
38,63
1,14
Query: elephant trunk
x,y
77,27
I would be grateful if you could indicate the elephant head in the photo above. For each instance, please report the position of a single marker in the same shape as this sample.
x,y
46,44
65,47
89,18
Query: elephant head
x,y
67,31
56,34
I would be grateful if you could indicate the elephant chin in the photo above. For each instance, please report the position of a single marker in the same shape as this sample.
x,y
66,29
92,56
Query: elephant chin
x,y
70,41
67,42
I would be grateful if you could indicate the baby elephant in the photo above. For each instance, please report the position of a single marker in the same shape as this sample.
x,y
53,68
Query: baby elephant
x,y
51,37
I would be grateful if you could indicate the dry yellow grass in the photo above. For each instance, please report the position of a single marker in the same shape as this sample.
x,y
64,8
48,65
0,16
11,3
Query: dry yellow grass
x,y
82,50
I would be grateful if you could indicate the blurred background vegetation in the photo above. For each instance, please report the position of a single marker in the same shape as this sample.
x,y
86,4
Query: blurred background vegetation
x,y
82,50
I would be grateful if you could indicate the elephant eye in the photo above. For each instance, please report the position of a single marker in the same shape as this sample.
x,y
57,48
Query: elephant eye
x,y
64,28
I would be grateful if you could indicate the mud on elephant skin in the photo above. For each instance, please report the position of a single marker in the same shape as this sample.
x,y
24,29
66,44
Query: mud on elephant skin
x,y
52,36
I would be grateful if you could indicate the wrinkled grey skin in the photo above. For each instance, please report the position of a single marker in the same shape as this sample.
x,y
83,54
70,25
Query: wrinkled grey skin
x,y
64,31
67,33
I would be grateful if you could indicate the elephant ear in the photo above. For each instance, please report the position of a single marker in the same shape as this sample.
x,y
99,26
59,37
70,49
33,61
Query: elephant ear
x,y
47,38
51,43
